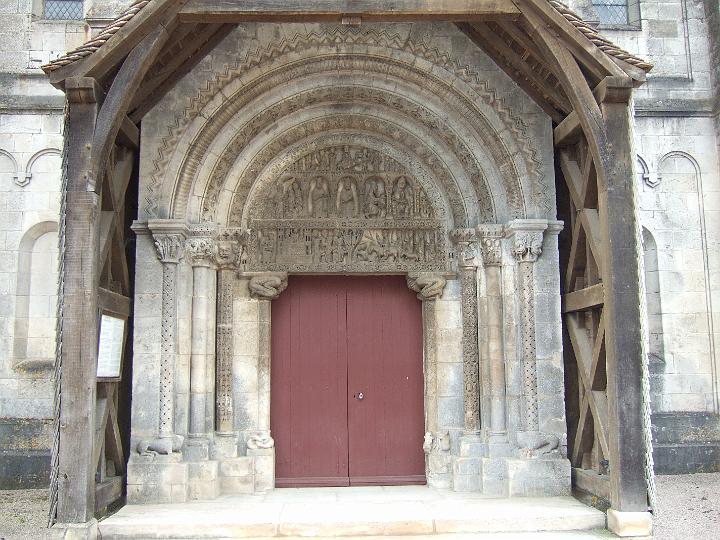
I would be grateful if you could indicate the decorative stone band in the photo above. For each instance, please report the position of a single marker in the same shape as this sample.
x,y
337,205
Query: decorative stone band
x,y
429,286
466,240
169,239
527,237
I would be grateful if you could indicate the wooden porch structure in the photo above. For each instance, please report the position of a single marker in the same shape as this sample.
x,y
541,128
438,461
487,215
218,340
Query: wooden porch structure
x,y
582,81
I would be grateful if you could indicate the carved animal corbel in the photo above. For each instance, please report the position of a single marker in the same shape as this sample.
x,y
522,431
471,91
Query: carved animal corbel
x,y
428,286
260,441
267,287
428,442
533,444
165,446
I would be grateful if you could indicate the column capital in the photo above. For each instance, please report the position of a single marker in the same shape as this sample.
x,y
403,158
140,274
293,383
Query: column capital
x,y
169,236
527,238
267,286
231,245
490,240
428,285
201,251
465,240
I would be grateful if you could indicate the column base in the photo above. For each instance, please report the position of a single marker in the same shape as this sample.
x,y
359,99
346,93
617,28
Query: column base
x,y
225,445
439,470
467,466
629,524
196,449
263,468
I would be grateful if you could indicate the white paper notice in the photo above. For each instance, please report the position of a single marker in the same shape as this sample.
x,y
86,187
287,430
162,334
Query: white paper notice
x,y
112,330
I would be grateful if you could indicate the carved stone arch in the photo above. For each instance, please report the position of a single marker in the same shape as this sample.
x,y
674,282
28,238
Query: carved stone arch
x,y
516,154
677,154
13,165
644,172
37,156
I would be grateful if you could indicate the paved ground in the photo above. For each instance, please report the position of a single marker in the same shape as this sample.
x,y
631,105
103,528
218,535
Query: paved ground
x,y
689,509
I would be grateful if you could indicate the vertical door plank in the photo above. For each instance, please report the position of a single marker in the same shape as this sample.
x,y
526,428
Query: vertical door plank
x,y
386,427
309,383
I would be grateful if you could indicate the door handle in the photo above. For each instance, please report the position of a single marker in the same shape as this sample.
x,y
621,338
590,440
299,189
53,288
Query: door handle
x,y
360,396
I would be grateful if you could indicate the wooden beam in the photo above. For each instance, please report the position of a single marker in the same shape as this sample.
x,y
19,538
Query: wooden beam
x,y
129,134
232,11
548,99
114,302
153,96
108,492
114,109
583,299
591,482
158,84
156,13
568,131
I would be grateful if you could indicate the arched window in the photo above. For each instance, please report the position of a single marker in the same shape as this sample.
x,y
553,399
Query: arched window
x,y
654,322
36,297
64,9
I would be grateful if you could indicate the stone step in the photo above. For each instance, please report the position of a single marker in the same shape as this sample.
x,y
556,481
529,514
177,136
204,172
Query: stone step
x,y
596,534
354,512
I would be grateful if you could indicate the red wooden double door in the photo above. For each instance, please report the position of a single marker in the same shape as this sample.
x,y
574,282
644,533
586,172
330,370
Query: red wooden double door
x,y
347,382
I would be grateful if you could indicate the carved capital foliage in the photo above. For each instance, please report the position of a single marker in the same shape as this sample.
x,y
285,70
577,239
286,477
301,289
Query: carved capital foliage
x,y
527,245
268,286
428,286
490,240
170,248
200,251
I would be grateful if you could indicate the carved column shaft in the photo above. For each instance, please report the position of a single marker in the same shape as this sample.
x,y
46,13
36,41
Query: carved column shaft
x,y
527,248
169,249
225,295
493,348
465,240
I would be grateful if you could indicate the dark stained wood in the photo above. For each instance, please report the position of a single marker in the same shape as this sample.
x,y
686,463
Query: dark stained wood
x,y
584,298
308,413
76,474
114,109
387,426
591,482
232,11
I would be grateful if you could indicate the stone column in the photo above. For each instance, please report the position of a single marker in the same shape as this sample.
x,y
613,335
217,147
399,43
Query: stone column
x,y
169,241
493,350
466,469
264,288
201,254
466,239
527,237
225,435
430,287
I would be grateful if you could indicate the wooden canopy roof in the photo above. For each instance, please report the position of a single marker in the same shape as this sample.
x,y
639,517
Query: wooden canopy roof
x,y
502,28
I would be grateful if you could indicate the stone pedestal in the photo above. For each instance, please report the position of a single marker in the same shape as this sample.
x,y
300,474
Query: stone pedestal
x,y
157,479
237,475
263,468
203,480
225,445
538,477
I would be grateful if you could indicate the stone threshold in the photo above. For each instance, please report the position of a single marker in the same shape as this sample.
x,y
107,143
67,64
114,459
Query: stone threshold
x,y
352,512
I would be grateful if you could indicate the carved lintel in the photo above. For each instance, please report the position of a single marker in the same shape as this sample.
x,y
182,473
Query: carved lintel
x,y
490,240
267,286
429,286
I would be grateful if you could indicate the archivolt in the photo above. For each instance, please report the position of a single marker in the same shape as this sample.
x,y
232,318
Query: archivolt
x,y
462,92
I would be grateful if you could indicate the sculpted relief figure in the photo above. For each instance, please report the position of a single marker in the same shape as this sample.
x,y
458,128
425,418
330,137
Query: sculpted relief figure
x,y
319,197
346,200
402,198
292,198
375,198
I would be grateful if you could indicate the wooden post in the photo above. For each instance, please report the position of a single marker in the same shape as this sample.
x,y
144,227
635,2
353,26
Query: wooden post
x,y
76,475
618,222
